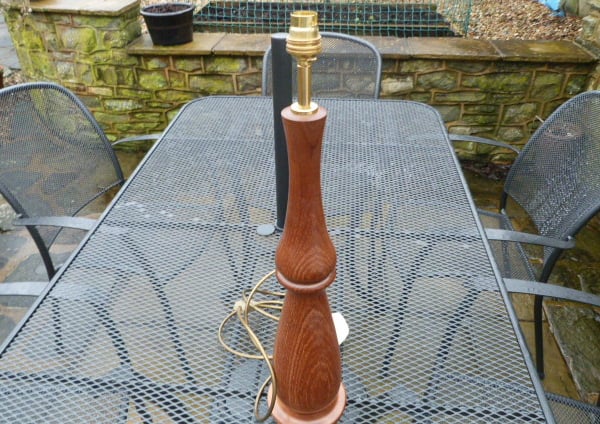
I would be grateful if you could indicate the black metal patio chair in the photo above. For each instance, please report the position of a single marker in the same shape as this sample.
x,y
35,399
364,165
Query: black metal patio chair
x,y
569,411
55,161
348,67
555,179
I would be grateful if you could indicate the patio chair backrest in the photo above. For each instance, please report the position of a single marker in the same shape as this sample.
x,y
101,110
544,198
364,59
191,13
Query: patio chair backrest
x,y
556,178
54,157
348,67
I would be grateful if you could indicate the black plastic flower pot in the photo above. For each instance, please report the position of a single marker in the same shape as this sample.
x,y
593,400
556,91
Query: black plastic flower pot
x,y
169,23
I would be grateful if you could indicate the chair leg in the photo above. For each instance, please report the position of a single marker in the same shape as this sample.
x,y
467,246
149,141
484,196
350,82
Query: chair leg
x,y
539,335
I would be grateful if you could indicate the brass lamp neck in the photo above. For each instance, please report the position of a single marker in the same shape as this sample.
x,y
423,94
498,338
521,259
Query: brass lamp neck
x,y
304,43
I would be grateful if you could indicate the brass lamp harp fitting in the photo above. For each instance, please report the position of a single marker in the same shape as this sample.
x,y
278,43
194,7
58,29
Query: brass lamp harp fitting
x,y
304,43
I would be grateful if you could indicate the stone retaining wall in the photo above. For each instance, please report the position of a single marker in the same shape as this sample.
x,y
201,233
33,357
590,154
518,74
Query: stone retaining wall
x,y
495,88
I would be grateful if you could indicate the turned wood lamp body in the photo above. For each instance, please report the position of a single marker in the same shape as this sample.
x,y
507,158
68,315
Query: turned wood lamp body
x,y
306,356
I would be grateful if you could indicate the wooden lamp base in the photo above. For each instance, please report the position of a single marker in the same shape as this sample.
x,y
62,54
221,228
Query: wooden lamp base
x,y
306,355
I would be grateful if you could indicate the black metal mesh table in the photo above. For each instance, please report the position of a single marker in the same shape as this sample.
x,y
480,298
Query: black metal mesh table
x,y
128,332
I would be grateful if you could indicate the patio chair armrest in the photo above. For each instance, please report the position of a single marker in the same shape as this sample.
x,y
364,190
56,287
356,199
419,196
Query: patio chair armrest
x,y
551,290
528,238
475,139
58,221
147,137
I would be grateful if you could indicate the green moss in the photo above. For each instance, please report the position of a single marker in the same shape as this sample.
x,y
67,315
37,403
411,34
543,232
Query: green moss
x,y
96,21
479,119
122,105
101,91
125,76
449,113
175,96
225,65
123,59
398,84
148,116
107,75
249,82
177,80
152,80
42,67
81,39
460,97
116,39
32,40
140,127
420,65
520,113
420,97
158,62
188,64
97,57
468,67
499,82
504,98
575,84
211,84
111,118
136,94
442,80
547,85
483,108
511,134
65,70
172,114
388,65
589,25
159,104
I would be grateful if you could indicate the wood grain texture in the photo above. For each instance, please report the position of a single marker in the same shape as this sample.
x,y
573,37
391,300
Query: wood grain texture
x,y
305,254
306,355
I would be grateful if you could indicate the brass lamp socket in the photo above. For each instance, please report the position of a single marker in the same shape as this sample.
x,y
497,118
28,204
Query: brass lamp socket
x,y
304,43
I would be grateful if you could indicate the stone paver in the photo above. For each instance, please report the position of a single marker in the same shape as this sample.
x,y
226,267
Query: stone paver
x,y
8,55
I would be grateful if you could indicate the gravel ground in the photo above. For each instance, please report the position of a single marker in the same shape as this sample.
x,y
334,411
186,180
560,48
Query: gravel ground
x,y
490,20
520,20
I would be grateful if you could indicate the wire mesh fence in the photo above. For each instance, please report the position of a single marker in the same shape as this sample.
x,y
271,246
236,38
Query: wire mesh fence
x,y
413,18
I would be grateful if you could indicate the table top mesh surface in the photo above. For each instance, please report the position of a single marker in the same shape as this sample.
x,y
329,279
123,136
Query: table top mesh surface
x,y
129,331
